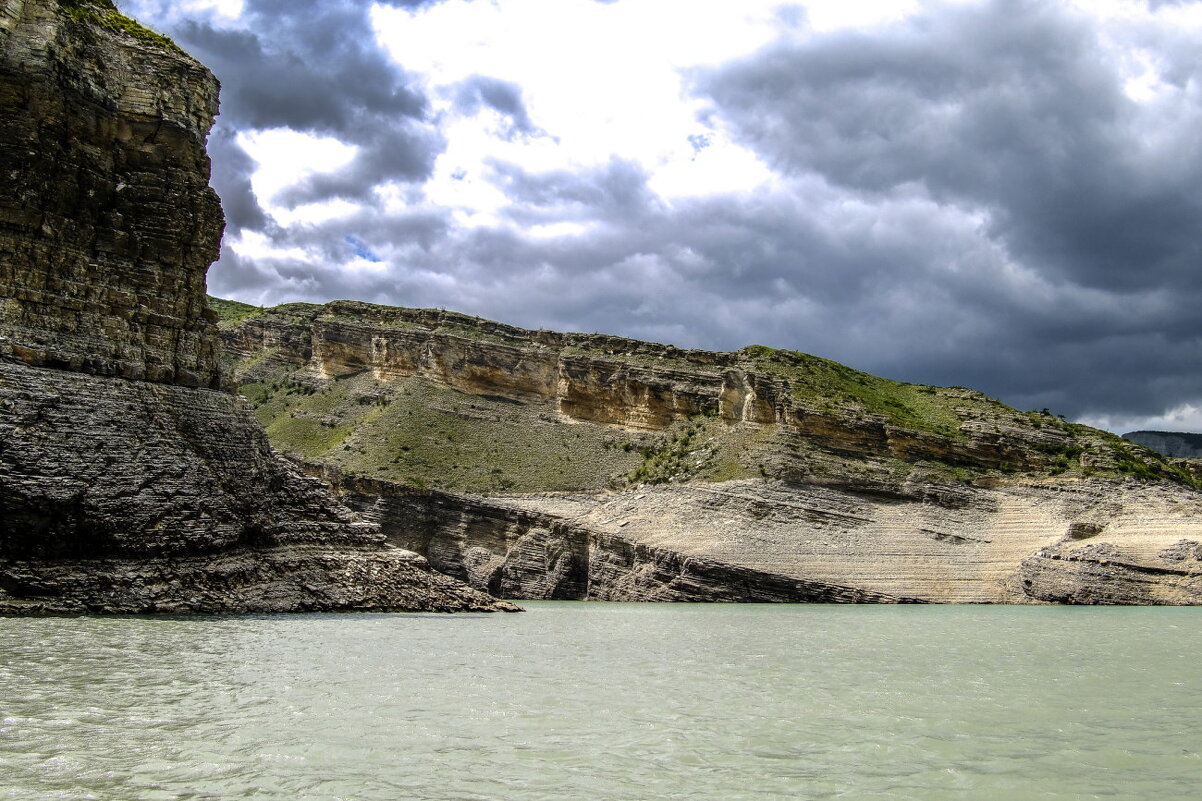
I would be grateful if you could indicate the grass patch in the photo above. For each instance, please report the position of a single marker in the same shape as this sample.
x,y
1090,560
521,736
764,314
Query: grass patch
x,y
437,437
827,384
231,312
417,433
306,436
105,13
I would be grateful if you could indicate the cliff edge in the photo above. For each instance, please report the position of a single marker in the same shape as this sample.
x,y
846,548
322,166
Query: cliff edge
x,y
129,480
537,464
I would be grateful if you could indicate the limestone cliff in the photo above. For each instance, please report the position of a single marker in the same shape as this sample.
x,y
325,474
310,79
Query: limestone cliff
x,y
541,464
107,222
129,482
756,412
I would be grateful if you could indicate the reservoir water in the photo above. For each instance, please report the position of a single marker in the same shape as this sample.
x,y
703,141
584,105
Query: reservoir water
x,y
608,701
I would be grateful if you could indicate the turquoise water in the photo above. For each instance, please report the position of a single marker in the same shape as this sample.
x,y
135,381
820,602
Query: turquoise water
x,y
608,701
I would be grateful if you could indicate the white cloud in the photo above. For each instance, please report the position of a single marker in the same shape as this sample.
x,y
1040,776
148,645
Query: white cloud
x,y
600,80
284,157
1186,417
256,245
559,229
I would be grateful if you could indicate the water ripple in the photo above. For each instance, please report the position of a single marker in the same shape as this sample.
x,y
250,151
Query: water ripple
x,y
606,701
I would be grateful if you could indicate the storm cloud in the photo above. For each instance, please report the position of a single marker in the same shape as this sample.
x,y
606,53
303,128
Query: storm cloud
x,y
1001,194
1011,108
1014,114
310,66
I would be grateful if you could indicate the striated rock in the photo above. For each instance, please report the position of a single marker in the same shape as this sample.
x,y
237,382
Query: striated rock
x,y
122,496
1106,574
107,222
128,481
766,541
546,465
647,387
519,550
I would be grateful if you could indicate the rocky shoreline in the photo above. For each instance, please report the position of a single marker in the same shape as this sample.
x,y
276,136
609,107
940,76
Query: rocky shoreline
x,y
131,481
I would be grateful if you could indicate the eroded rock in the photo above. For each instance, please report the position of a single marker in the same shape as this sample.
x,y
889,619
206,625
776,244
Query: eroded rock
x,y
129,481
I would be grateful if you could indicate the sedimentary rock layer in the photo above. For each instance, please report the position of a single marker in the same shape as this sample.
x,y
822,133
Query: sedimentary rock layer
x,y
128,481
846,486
107,222
1098,542
642,386
512,548
122,496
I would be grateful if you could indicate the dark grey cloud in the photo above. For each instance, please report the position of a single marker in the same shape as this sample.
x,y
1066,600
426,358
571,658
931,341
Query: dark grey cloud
x,y
315,67
232,169
614,191
1013,111
312,66
401,153
1011,107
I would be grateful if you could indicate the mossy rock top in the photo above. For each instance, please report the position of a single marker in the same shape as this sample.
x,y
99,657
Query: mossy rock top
x,y
106,14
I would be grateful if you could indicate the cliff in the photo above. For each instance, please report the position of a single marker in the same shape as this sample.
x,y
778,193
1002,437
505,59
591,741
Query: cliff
x,y
129,482
329,381
108,223
542,464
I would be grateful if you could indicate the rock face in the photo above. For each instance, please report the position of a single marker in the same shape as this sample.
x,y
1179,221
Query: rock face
x,y
129,482
107,222
1097,542
546,465
824,410
513,548
587,378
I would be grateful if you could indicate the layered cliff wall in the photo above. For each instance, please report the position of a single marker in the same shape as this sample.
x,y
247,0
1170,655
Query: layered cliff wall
x,y
514,549
107,222
128,481
814,409
547,465
1098,542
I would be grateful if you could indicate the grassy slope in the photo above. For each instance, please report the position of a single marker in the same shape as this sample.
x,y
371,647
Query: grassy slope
x,y
231,312
418,433
829,386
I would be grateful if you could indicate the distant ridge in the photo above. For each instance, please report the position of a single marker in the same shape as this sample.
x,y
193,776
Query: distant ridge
x,y
1180,444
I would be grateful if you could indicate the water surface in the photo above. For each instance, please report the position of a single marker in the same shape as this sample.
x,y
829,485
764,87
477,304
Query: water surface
x,y
608,701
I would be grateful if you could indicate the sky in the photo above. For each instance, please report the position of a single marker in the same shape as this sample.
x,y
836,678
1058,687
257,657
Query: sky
x,y
999,194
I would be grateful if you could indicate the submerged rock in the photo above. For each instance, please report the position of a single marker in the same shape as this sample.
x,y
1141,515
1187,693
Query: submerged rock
x,y
130,480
